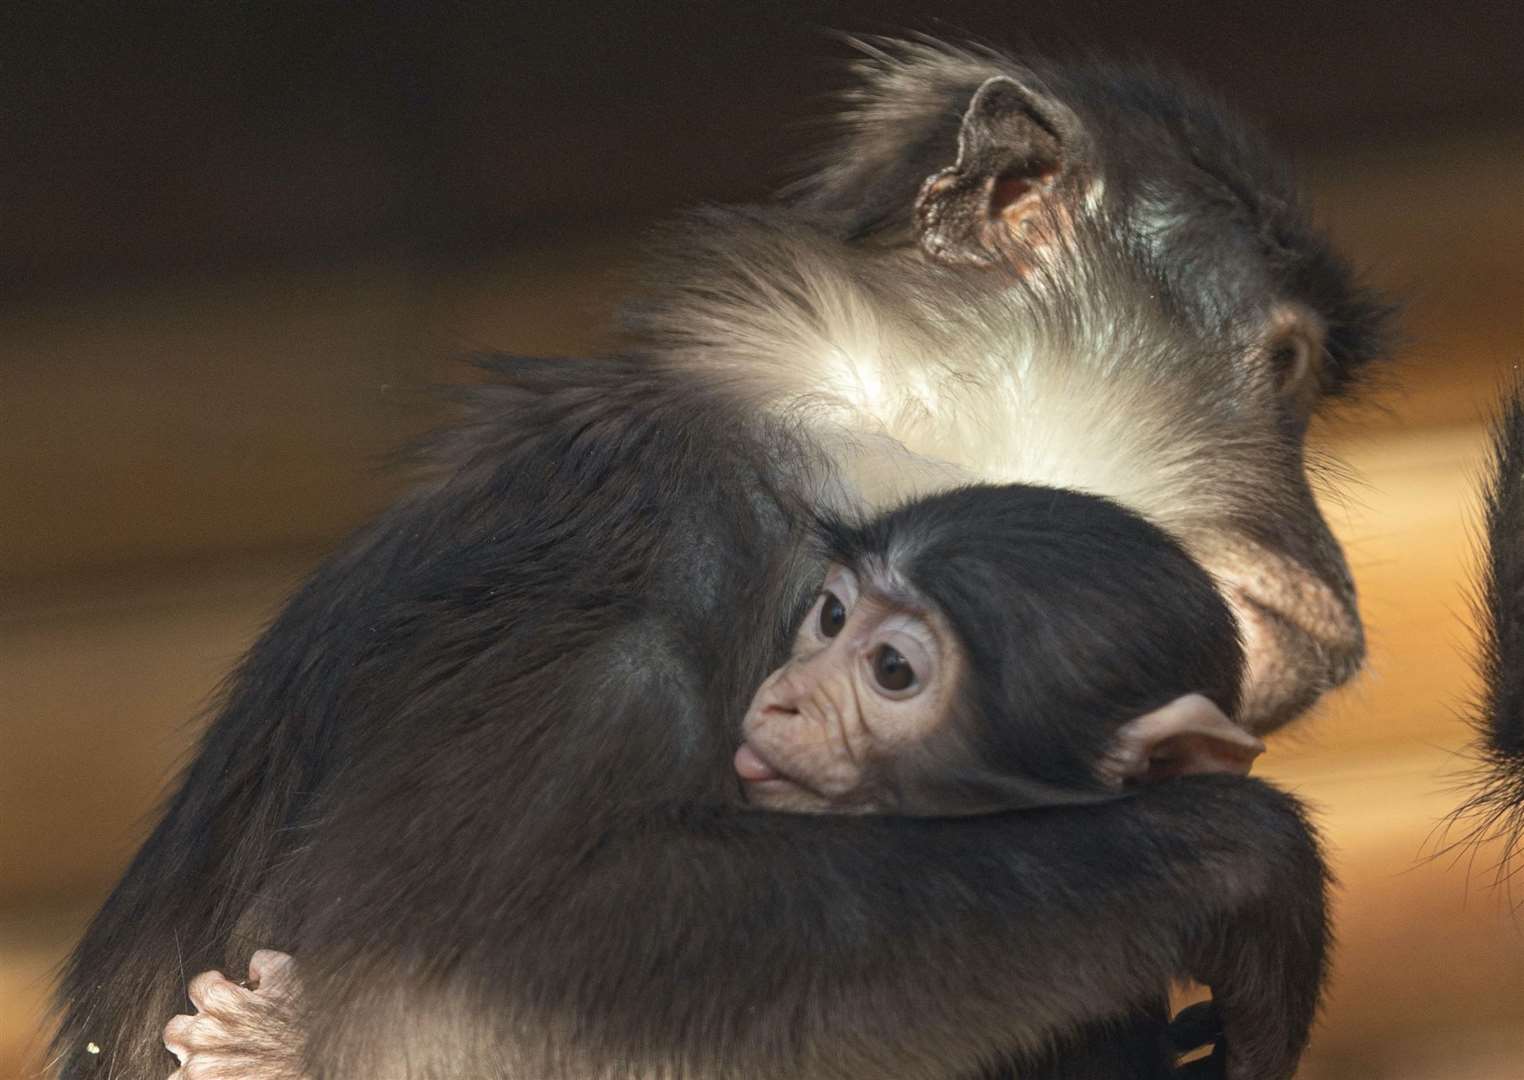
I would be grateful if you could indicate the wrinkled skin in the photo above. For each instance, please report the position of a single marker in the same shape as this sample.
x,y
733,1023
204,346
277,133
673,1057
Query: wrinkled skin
x,y
817,724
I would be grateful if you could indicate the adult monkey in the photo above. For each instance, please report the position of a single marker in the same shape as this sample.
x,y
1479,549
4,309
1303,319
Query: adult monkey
x,y
1197,198
983,649
475,775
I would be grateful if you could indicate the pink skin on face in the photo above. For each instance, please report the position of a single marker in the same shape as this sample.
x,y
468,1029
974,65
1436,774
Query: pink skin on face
x,y
869,674
752,769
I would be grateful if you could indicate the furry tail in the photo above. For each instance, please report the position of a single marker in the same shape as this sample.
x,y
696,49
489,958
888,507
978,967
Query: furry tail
x,y
1497,806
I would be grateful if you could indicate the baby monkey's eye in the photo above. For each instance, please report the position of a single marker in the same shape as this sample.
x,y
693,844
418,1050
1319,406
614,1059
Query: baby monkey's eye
x,y
891,670
833,615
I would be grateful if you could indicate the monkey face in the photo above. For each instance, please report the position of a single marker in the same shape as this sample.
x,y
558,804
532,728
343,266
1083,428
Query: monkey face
x,y
870,674
1201,421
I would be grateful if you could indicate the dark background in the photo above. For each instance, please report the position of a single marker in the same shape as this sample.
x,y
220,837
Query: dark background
x,y
203,138
239,243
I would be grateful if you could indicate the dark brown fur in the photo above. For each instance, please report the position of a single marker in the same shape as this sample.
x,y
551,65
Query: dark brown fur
x,y
1496,809
476,774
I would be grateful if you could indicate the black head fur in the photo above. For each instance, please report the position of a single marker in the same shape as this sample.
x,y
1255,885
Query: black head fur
x,y
1076,615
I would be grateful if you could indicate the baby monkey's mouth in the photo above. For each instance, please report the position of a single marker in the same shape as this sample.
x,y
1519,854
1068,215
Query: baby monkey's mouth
x,y
767,787
752,768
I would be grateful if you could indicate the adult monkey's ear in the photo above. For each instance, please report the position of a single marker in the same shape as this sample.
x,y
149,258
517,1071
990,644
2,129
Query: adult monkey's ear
x,y
1293,350
1015,150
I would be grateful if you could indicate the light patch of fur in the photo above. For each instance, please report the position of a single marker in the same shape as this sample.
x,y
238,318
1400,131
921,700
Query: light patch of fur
x,y
914,379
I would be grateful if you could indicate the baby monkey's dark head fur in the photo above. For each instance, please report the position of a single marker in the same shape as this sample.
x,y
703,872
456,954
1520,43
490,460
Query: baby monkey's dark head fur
x,y
1076,615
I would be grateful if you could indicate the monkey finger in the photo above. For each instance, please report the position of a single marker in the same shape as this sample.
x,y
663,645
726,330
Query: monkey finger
x,y
177,1037
186,1035
212,992
272,971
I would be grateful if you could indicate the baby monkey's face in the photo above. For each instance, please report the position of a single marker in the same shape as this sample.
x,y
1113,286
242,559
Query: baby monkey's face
x,y
876,672
873,671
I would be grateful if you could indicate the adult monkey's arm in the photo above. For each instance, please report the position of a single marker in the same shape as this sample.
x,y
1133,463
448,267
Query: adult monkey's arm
x,y
723,943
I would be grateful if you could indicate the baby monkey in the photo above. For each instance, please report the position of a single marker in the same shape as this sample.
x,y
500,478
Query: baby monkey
x,y
992,648
989,648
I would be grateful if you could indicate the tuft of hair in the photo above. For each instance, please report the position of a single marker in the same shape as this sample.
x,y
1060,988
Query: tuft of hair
x,y
1496,808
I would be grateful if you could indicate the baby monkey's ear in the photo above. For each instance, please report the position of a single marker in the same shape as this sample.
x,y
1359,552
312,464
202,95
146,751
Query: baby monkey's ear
x,y
1017,150
1189,735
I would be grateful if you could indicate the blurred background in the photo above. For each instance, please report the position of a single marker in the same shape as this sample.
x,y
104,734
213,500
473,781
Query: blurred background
x,y
239,244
